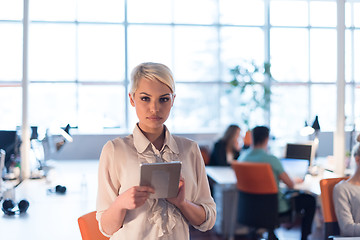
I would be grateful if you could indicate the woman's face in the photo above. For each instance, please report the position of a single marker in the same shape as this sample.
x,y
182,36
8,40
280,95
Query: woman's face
x,y
152,101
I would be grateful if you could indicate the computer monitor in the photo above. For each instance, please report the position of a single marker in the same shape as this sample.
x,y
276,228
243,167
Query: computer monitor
x,y
9,142
299,151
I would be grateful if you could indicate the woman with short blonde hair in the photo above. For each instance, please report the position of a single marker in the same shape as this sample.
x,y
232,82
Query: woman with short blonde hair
x,y
125,209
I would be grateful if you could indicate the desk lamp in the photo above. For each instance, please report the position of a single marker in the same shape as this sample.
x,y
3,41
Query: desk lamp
x,y
306,130
316,127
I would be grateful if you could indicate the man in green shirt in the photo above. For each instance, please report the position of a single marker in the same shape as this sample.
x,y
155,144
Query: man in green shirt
x,y
304,203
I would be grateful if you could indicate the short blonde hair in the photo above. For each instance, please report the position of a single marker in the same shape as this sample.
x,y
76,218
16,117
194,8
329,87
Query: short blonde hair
x,y
152,71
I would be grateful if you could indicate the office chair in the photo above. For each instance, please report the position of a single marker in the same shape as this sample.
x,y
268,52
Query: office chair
x,y
205,153
89,227
258,197
330,221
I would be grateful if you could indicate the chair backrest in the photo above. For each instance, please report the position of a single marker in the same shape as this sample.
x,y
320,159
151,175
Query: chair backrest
x,y
89,227
257,178
205,153
258,195
327,204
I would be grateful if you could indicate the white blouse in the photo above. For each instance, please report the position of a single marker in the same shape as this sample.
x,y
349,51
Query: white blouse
x,y
119,170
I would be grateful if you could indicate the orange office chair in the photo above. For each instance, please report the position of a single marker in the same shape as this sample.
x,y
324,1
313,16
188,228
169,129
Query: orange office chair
x,y
89,227
258,196
205,153
330,220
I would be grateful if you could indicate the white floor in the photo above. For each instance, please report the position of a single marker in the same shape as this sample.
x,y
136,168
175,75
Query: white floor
x,y
53,216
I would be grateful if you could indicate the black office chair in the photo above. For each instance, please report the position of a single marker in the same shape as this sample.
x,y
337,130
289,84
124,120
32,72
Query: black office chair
x,y
258,198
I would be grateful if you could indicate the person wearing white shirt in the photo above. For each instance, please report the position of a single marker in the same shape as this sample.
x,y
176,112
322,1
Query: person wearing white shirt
x,y
124,209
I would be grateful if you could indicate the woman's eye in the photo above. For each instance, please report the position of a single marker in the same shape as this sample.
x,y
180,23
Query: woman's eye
x,y
165,99
145,98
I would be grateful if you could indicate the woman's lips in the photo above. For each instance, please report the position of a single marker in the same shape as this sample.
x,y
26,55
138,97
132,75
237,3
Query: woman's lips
x,y
154,118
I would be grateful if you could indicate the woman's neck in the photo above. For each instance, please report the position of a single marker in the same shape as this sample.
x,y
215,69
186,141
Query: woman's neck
x,y
156,138
159,142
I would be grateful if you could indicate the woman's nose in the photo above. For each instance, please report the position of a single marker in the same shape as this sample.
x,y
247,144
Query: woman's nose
x,y
154,107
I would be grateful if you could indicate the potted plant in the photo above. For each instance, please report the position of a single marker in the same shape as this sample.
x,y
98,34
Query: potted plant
x,y
253,82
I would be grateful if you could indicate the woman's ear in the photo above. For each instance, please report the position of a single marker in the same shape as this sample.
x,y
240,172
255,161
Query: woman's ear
x,y
132,102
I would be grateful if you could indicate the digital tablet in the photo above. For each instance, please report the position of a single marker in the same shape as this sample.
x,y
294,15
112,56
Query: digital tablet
x,y
163,177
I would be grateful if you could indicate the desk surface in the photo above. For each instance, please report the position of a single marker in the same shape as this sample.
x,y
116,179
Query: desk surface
x,y
225,176
52,216
221,175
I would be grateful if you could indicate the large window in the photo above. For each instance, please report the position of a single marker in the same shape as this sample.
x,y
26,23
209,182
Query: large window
x,y
81,54
303,54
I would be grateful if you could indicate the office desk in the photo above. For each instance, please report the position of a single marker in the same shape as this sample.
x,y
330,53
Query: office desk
x,y
53,216
226,196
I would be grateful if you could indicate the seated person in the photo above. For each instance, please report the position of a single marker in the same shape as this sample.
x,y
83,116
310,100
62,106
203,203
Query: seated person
x,y
346,197
304,203
227,149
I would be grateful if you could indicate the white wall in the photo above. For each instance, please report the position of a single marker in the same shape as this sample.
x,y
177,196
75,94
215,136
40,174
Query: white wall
x,y
89,146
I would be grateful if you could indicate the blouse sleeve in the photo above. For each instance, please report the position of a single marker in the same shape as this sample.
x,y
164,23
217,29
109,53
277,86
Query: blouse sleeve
x,y
108,184
343,212
203,195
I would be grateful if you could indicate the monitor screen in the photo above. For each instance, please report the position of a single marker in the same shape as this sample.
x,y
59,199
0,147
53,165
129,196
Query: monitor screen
x,y
9,143
299,151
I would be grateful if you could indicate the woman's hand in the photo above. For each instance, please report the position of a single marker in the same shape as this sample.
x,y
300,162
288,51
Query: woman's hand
x,y
194,213
113,218
134,197
180,198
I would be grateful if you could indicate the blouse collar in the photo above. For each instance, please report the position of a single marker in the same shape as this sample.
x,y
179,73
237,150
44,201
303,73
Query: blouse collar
x,y
141,142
